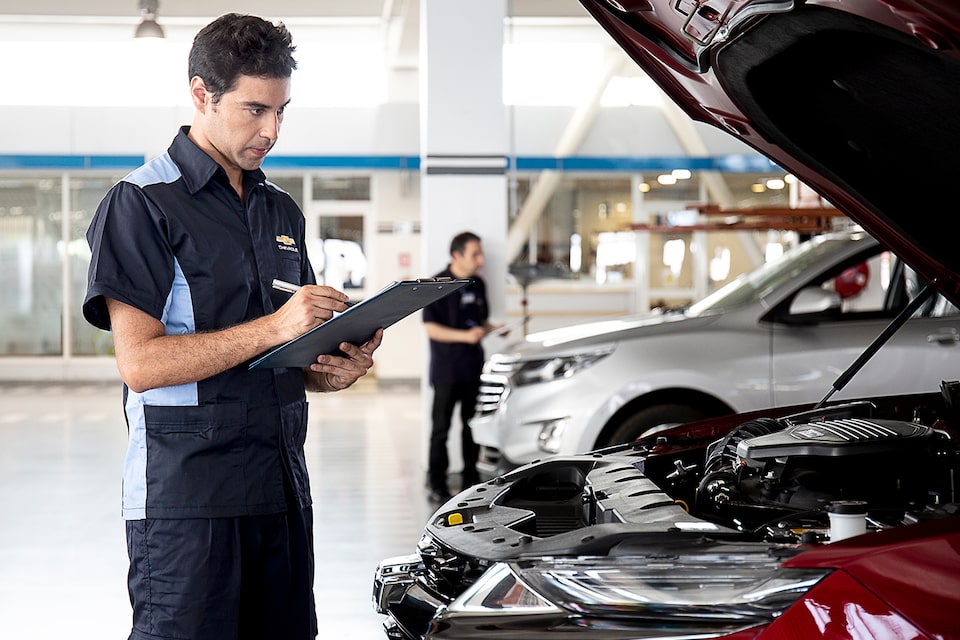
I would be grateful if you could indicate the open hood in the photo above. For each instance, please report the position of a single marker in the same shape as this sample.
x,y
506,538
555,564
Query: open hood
x,y
857,98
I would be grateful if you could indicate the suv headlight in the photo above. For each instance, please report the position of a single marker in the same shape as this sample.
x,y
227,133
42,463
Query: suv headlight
x,y
545,370
682,593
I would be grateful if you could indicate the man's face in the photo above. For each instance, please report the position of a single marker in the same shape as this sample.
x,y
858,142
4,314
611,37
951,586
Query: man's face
x,y
471,260
244,125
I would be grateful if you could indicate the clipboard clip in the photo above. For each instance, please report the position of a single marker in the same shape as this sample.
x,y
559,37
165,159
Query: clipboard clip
x,y
426,280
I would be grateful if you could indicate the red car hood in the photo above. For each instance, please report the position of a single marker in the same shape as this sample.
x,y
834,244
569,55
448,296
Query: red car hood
x,y
857,98
899,565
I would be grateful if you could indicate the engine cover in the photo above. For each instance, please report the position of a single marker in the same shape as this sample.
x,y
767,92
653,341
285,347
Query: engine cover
x,y
833,438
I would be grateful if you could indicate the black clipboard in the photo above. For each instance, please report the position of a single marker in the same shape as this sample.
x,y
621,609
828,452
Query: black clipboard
x,y
357,324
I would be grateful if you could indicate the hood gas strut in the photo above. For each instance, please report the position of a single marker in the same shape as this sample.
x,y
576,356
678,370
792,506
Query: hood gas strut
x,y
880,340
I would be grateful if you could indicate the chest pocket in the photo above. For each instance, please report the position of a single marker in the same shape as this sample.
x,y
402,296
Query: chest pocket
x,y
288,267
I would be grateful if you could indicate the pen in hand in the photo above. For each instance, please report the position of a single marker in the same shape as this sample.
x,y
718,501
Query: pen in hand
x,y
289,287
281,285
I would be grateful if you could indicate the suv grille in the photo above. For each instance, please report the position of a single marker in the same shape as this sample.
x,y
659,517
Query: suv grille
x,y
493,389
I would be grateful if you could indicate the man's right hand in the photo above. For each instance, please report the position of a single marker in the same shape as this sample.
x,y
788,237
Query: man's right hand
x,y
148,358
475,335
310,306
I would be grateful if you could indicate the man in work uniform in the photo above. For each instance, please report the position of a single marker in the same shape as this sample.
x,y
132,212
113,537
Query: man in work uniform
x,y
184,249
455,326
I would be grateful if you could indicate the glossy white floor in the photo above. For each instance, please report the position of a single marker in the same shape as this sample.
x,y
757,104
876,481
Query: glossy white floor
x,y
62,549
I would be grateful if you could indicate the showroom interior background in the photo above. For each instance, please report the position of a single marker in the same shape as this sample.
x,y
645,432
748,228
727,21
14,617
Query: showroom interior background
x,y
607,229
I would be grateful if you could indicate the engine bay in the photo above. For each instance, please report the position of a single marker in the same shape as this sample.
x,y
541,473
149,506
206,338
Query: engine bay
x,y
781,481
777,481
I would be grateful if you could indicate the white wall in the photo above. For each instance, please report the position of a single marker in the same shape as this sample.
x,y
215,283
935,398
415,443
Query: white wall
x,y
398,257
390,129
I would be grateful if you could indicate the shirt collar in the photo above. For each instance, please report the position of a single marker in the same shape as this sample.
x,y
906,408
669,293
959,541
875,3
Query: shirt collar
x,y
197,167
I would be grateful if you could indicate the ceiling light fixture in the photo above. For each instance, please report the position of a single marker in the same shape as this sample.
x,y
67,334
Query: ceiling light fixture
x,y
148,27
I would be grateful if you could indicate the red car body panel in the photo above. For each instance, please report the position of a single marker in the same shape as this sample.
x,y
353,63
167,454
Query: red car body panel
x,y
914,570
840,608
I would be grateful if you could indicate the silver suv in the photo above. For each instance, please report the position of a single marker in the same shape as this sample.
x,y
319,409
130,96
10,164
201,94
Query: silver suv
x,y
779,335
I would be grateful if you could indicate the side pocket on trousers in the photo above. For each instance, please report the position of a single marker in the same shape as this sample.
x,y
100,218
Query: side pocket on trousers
x,y
194,457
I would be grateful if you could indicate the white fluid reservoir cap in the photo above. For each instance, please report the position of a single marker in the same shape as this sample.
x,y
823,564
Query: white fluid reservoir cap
x,y
848,518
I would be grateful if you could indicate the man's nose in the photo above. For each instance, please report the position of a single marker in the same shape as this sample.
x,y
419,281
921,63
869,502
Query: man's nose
x,y
271,127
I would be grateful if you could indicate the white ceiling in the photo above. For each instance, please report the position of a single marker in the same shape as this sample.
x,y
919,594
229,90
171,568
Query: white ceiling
x,y
287,8
399,18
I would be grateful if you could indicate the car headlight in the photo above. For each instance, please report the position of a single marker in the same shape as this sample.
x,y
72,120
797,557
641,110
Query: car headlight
x,y
693,592
500,589
545,370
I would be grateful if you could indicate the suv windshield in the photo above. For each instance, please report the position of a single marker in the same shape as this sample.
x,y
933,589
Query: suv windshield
x,y
755,284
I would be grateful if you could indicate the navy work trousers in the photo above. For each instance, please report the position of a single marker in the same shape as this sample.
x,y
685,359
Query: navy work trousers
x,y
445,399
239,578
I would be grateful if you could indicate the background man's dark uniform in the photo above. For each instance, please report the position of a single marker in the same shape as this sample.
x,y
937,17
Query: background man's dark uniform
x,y
455,369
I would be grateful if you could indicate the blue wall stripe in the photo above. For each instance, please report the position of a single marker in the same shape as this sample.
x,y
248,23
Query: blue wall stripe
x,y
342,162
69,162
739,163
630,164
736,163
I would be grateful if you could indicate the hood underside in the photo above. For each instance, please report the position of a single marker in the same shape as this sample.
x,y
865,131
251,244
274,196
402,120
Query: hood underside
x,y
858,99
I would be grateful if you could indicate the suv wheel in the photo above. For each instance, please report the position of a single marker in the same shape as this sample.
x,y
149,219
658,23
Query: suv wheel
x,y
660,415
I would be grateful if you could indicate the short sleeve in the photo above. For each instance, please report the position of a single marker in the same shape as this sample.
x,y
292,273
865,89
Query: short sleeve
x,y
131,259
438,312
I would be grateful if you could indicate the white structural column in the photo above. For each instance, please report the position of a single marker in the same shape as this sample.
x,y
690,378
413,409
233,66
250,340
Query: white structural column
x,y
463,135
463,143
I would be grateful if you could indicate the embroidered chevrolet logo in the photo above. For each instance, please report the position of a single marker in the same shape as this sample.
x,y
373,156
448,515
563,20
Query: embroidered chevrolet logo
x,y
287,240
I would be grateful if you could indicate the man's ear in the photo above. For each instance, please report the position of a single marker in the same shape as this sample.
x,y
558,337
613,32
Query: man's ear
x,y
199,94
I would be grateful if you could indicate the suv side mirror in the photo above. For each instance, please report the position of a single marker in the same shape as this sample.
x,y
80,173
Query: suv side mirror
x,y
813,303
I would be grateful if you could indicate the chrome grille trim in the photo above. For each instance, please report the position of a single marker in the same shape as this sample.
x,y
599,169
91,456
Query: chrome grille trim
x,y
493,389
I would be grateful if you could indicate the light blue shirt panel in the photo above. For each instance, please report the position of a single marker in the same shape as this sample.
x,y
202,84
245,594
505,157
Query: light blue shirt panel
x,y
161,169
177,319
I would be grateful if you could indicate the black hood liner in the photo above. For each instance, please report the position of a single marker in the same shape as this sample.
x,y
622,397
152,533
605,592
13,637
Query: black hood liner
x,y
865,106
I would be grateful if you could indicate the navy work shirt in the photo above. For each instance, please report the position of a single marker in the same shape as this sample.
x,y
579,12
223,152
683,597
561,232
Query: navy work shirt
x,y
455,362
174,240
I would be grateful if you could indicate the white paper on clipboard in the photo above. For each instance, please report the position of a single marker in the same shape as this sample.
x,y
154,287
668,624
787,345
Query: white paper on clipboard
x,y
506,328
357,324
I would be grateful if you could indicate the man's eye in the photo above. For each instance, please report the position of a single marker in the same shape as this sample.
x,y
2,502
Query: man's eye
x,y
256,112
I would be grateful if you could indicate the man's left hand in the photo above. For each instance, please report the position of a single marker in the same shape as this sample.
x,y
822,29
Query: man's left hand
x,y
335,373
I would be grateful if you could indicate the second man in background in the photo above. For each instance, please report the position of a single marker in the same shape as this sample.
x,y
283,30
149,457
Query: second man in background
x,y
456,325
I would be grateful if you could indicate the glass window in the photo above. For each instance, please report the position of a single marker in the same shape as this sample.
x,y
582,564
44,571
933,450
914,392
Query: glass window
x,y
341,188
30,266
586,227
293,185
337,256
576,221
85,196
751,286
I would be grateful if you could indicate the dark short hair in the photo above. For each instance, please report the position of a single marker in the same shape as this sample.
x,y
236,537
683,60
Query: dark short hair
x,y
237,45
459,242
